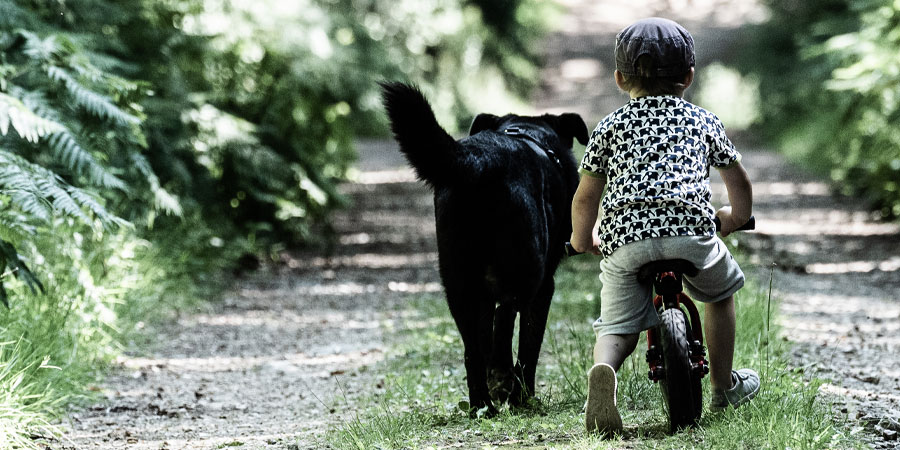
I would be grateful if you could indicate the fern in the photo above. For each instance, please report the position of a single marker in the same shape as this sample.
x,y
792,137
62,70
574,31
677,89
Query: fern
x,y
27,124
162,199
38,192
68,151
94,103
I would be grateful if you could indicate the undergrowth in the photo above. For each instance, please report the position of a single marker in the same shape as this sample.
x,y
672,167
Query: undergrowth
x,y
418,406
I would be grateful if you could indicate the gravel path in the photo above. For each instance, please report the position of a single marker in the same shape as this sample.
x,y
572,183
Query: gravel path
x,y
272,364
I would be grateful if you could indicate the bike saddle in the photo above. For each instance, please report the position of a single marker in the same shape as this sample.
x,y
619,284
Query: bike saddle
x,y
647,272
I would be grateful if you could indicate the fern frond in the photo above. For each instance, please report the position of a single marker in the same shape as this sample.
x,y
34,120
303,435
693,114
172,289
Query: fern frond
x,y
27,124
67,150
94,103
52,189
39,49
162,199
89,202
32,126
88,71
38,192
19,185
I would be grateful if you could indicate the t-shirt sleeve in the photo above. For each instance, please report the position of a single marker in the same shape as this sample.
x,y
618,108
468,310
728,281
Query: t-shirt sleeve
x,y
595,158
722,153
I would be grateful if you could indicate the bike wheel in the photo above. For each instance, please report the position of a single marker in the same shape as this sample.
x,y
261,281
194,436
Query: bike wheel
x,y
680,391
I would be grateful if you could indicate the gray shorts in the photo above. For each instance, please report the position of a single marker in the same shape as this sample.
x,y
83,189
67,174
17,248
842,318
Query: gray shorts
x,y
626,307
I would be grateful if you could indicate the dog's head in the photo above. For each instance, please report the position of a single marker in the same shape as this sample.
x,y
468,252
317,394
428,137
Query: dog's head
x,y
567,127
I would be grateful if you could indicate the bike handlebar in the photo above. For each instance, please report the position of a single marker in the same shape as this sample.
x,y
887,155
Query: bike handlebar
x,y
750,225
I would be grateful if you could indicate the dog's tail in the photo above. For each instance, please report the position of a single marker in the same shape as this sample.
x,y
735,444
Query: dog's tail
x,y
427,147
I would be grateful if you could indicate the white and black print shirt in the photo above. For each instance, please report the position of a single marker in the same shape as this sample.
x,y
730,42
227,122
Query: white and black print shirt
x,y
655,153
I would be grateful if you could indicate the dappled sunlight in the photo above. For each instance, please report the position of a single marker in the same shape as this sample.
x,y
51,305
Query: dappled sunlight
x,y
385,176
616,14
840,323
368,260
275,320
414,288
836,304
842,391
816,222
787,188
293,361
581,69
336,289
889,265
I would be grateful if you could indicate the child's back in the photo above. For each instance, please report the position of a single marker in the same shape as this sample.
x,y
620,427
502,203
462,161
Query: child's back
x,y
655,153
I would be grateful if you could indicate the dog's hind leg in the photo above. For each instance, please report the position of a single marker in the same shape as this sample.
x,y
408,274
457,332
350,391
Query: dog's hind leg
x,y
532,321
474,316
501,378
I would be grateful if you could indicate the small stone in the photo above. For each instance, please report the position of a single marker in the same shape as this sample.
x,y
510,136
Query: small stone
x,y
870,379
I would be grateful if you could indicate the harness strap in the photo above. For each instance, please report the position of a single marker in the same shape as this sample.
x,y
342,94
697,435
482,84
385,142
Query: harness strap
x,y
533,143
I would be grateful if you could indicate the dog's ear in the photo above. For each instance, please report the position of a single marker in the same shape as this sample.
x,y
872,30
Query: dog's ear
x,y
569,126
484,122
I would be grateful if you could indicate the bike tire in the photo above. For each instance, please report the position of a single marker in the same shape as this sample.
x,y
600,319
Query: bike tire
x,y
696,381
680,390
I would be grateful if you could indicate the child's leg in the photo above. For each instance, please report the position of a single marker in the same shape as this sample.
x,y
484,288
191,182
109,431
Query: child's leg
x,y
612,349
719,322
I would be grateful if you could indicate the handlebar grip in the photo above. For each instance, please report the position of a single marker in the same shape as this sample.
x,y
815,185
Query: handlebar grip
x,y
570,251
750,225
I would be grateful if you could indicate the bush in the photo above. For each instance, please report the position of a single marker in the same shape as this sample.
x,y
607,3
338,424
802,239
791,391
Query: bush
x,y
830,85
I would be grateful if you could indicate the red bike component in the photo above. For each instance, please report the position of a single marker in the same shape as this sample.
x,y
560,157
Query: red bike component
x,y
698,352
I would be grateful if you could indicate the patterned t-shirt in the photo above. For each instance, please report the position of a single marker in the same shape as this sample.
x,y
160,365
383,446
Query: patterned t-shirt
x,y
655,153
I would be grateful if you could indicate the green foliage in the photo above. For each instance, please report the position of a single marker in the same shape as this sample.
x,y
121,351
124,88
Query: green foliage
x,y
830,85
145,109
146,144
49,110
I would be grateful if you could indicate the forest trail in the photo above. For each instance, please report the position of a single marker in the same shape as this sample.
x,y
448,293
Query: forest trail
x,y
277,360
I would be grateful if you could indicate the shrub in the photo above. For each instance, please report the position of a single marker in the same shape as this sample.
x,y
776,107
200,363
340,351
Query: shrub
x,y
830,87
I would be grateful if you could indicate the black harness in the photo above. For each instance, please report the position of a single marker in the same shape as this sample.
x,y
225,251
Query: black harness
x,y
534,143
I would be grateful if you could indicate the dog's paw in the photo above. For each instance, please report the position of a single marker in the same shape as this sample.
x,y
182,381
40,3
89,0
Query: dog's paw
x,y
501,384
480,410
522,403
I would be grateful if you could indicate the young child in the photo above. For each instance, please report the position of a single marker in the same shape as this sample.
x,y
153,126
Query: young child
x,y
653,157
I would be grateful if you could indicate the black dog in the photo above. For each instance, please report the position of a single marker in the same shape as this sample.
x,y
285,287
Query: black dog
x,y
502,200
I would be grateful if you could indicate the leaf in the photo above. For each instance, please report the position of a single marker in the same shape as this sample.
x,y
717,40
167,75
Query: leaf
x,y
96,104
10,258
27,124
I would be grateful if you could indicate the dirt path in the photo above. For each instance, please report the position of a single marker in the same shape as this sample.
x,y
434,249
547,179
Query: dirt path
x,y
274,363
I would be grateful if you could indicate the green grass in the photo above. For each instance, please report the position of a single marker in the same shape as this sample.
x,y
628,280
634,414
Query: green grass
x,y
424,383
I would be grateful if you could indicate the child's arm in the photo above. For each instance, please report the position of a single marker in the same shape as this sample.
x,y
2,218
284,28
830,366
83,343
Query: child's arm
x,y
585,206
740,195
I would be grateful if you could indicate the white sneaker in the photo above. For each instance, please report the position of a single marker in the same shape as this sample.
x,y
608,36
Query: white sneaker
x,y
601,414
746,386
